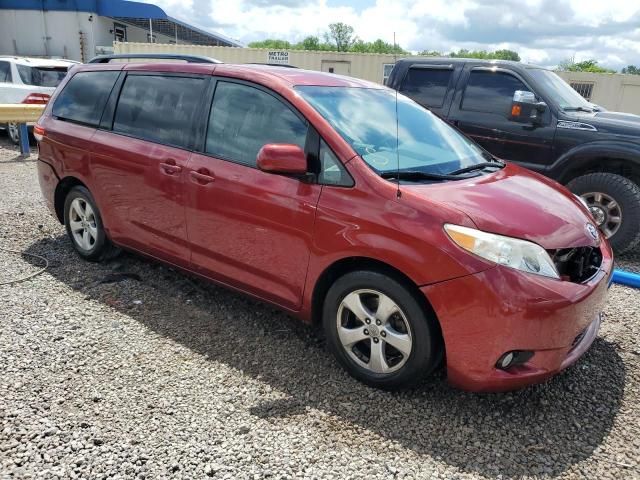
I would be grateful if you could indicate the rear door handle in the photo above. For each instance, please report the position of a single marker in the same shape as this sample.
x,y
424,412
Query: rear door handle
x,y
201,178
170,168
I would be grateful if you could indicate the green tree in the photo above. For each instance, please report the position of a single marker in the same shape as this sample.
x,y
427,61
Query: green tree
x,y
506,55
484,55
430,53
341,36
271,43
631,70
591,66
309,43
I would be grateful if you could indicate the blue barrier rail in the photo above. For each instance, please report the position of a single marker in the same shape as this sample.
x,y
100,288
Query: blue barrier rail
x,y
628,279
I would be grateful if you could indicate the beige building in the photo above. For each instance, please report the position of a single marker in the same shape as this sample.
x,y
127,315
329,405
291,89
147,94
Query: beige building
x,y
613,91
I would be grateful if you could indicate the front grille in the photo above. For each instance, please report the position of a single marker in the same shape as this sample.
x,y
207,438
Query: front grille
x,y
578,264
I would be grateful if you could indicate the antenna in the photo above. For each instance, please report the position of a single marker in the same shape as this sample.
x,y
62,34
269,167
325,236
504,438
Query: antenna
x,y
398,192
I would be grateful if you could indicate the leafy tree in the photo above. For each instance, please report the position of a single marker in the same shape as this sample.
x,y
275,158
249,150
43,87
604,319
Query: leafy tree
x,y
309,43
631,70
271,43
377,46
341,36
430,53
591,66
484,55
506,55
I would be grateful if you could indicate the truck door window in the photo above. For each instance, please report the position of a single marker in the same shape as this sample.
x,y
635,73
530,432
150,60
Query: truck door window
x,y
427,86
491,92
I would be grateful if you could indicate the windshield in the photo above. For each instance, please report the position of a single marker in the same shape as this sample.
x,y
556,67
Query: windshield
x,y
559,90
366,119
41,76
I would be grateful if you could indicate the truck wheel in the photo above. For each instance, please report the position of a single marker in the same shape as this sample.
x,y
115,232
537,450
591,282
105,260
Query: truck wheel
x,y
378,330
614,202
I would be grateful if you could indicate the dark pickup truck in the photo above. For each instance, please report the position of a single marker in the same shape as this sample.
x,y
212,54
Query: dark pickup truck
x,y
529,115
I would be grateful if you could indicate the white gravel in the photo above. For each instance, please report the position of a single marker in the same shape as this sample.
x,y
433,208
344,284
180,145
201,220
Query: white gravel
x,y
132,370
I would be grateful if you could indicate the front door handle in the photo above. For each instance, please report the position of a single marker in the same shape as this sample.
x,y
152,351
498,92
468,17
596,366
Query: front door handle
x,y
201,178
170,168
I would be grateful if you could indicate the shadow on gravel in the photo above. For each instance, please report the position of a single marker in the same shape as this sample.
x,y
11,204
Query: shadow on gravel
x,y
540,430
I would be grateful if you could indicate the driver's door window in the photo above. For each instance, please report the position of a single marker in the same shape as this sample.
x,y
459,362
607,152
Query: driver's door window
x,y
243,119
491,92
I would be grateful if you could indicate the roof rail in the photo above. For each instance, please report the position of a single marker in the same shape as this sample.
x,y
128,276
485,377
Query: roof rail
x,y
273,64
159,56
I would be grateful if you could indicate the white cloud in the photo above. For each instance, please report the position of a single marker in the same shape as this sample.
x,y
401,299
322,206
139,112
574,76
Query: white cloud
x,y
542,31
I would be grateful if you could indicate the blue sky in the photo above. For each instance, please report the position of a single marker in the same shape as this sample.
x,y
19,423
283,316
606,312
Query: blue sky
x,y
545,32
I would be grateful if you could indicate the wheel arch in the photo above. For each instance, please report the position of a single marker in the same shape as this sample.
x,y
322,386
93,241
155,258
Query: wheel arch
x,y
62,189
346,265
602,157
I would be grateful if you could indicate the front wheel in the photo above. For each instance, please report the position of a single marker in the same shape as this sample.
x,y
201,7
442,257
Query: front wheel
x,y
614,202
379,331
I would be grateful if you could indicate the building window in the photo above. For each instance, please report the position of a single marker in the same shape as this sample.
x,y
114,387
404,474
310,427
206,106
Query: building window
x,y
119,32
583,88
386,71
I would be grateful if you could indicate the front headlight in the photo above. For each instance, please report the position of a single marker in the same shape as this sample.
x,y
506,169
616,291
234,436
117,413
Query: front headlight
x,y
510,252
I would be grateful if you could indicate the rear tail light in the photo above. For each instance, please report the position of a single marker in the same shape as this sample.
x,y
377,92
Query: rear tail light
x,y
38,132
37,99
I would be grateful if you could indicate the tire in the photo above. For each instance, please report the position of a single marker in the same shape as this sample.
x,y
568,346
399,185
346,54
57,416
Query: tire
x,y
410,322
13,133
85,228
599,190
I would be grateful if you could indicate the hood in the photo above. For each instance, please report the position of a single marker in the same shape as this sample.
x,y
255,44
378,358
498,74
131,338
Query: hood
x,y
517,203
616,123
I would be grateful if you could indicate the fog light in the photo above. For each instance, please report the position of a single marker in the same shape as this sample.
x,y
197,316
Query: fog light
x,y
513,358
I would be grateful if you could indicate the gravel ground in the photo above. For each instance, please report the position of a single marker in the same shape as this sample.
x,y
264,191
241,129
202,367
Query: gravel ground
x,y
130,369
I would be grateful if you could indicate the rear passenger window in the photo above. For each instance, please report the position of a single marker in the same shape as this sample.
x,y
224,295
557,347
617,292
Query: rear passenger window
x,y
159,108
84,97
244,119
491,92
427,86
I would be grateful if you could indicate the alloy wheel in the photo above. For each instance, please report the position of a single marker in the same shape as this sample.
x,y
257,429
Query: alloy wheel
x,y
82,222
605,210
374,331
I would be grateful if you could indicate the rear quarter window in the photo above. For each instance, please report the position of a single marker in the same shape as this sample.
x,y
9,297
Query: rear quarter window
x,y
83,99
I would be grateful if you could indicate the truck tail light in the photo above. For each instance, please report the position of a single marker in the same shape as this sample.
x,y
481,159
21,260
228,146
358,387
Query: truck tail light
x,y
37,99
38,132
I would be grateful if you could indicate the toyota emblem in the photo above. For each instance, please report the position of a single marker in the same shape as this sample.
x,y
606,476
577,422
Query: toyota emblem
x,y
592,231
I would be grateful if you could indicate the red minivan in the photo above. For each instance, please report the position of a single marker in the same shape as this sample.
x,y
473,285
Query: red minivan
x,y
337,200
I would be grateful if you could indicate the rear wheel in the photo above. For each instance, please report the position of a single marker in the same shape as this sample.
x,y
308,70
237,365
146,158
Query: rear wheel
x,y
84,226
614,202
379,331
14,133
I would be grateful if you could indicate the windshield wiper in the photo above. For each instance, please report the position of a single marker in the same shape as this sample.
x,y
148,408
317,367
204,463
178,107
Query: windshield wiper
x,y
577,109
417,175
477,166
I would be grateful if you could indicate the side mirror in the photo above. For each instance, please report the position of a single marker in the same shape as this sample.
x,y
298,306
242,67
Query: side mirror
x,y
282,158
525,108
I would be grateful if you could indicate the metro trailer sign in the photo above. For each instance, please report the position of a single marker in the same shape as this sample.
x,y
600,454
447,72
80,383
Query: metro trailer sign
x,y
279,57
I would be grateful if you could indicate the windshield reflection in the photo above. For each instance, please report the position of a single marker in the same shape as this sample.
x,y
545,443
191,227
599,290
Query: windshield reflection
x,y
366,119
